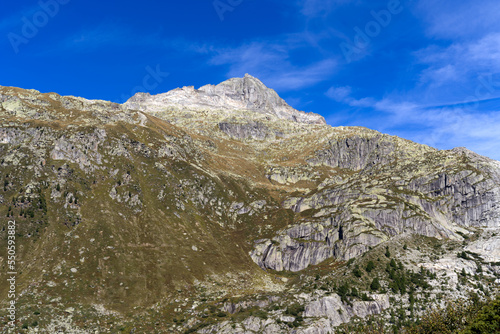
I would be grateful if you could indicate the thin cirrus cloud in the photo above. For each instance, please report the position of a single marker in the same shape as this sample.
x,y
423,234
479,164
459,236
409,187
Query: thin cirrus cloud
x,y
463,57
343,94
97,37
462,72
315,8
418,114
111,35
459,73
269,61
14,22
451,19
116,35
445,126
273,65
93,39
449,127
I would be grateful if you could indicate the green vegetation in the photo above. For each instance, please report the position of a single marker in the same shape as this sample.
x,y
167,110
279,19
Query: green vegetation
x,y
487,320
462,317
463,255
296,311
357,272
370,266
375,284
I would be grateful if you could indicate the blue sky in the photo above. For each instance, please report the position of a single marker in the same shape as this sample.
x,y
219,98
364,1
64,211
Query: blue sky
x,y
424,70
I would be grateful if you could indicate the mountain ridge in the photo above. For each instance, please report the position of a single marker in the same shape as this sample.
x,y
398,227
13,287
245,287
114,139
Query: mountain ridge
x,y
247,93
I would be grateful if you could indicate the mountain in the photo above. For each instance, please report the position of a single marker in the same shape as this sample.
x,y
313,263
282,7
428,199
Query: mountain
x,y
224,210
247,94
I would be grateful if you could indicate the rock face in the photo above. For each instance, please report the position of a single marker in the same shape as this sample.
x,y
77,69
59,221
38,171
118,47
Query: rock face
x,y
325,313
251,130
394,198
356,152
247,93
333,309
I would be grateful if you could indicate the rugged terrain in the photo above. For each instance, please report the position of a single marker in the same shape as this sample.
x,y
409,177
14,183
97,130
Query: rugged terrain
x,y
224,210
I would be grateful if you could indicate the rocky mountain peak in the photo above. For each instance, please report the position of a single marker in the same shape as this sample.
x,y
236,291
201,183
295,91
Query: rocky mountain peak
x,y
247,93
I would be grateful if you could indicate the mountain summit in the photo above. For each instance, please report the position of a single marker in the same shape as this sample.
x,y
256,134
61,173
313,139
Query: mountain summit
x,y
243,94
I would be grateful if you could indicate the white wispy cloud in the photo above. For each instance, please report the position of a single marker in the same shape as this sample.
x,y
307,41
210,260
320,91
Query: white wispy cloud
x,y
451,19
343,94
116,35
14,23
95,37
271,62
449,127
447,106
440,126
315,8
339,94
460,72
464,57
462,62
